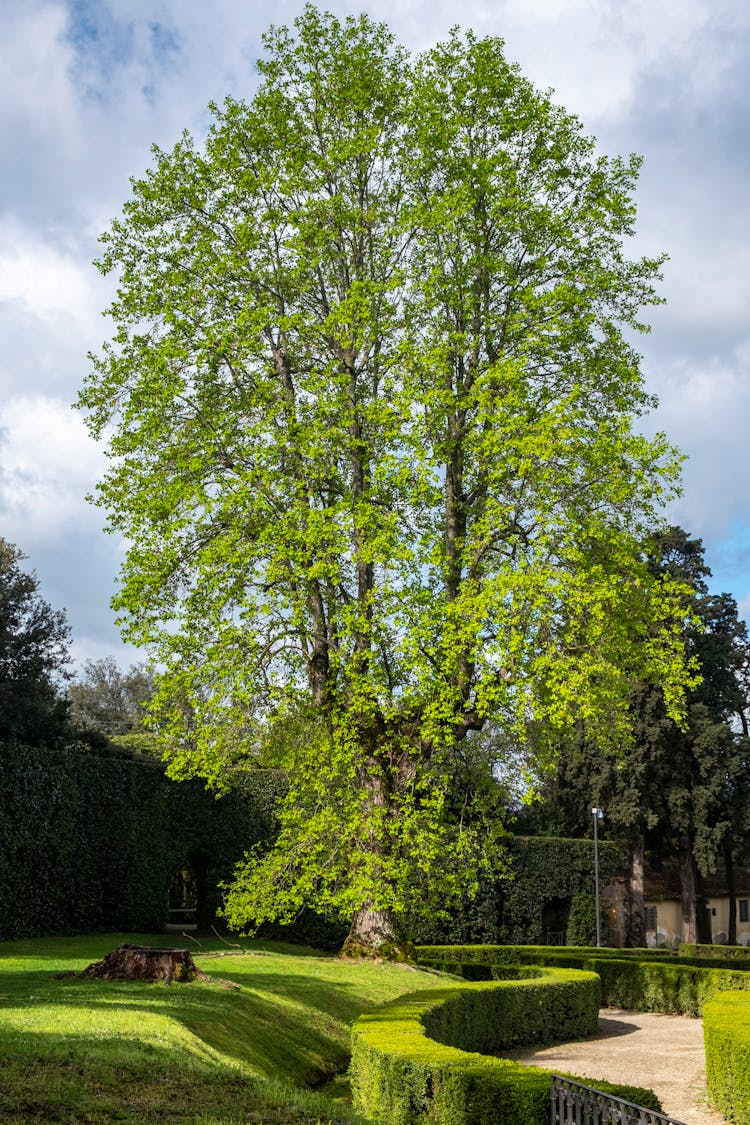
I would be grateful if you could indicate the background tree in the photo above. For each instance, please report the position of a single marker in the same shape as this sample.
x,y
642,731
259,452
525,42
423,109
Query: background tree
x,y
34,641
679,791
106,699
370,403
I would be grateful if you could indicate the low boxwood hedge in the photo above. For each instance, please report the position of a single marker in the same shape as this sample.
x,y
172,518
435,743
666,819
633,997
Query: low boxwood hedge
x,y
726,1031
645,984
738,953
418,1057
536,954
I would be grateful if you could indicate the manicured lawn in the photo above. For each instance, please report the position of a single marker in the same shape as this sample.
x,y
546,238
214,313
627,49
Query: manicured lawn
x,y
267,1041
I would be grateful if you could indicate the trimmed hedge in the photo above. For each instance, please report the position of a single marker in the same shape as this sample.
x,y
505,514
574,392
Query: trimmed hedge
x,y
648,984
715,952
417,1058
90,842
536,954
543,871
726,1031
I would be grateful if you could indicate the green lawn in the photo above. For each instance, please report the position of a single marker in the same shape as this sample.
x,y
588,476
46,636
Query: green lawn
x,y
266,1041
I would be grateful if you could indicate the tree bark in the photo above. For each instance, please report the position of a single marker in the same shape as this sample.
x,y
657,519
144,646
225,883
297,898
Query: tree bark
x,y
376,934
688,892
732,893
140,962
637,918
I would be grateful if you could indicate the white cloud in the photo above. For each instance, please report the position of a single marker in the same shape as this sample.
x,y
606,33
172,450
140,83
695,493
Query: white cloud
x,y
47,465
88,86
704,409
48,280
35,66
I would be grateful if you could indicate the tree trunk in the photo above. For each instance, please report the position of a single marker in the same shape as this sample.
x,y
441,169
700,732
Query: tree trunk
x,y
688,892
732,892
375,933
637,919
141,962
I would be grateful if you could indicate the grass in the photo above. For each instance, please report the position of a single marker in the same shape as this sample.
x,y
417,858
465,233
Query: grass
x,y
266,1041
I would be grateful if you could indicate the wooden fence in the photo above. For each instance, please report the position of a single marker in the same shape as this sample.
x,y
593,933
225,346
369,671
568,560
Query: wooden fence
x,y
576,1104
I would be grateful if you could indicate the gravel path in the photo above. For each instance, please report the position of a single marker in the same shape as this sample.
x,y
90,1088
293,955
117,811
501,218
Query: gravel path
x,y
662,1052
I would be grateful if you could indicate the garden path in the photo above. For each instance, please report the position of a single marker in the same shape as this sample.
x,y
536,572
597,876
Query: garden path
x,y
662,1052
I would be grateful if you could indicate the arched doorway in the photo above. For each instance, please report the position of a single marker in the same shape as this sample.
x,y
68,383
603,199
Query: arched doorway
x,y
183,900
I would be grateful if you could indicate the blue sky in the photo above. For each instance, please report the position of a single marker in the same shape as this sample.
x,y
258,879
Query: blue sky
x,y
89,85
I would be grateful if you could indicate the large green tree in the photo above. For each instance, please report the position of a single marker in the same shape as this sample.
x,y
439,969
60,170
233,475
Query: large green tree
x,y
370,406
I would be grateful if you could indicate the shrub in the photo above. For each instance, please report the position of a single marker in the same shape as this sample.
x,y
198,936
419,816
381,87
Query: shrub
x,y
726,1030
582,921
635,979
717,953
416,1057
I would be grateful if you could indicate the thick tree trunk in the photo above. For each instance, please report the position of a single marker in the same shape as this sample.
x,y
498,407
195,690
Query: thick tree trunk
x,y
688,894
140,962
637,919
375,933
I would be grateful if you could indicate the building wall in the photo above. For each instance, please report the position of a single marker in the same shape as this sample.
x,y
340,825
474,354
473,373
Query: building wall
x,y
669,920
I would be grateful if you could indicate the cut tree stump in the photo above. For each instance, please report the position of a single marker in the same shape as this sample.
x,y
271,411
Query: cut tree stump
x,y
141,962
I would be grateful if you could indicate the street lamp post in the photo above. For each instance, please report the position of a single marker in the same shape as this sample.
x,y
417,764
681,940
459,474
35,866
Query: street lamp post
x,y
597,815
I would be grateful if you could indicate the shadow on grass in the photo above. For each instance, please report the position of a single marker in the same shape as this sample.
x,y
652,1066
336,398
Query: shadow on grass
x,y
94,1081
269,1034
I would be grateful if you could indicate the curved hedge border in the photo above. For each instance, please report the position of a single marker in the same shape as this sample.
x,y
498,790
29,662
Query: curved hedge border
x,y
647,984
726,1031
418,1057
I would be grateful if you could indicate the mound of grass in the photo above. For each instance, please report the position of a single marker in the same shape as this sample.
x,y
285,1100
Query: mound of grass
x,y
263,1041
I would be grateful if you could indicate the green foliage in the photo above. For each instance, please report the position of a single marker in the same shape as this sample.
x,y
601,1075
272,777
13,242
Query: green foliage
x,y
726,1030
91,842
537,873
641,980
716,953
581,928
679,788
106,699
371,403
553,1005
416,1057
34,643
653,986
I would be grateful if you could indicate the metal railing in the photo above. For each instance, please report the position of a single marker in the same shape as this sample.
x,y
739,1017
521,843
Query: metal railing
x,y
576,1104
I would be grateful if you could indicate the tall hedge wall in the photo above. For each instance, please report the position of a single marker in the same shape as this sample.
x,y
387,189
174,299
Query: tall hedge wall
x,y
543,871
90,843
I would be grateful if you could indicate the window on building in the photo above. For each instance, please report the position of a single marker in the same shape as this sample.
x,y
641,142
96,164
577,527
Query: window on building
x,y
744,915
650,917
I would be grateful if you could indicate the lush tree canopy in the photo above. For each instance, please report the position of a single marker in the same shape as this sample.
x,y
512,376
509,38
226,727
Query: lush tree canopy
x,y
370,404
34,641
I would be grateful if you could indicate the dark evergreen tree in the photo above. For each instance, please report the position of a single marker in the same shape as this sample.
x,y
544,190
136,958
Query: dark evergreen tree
x,y
681,792
34,641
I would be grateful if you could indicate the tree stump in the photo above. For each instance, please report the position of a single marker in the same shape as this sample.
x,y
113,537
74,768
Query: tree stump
x,y
141,962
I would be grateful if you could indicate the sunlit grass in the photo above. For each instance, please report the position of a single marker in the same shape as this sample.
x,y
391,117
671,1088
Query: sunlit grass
x,y
249,1046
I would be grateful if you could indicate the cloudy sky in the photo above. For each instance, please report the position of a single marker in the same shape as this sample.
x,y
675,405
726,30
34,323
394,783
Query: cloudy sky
x,y
87,86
